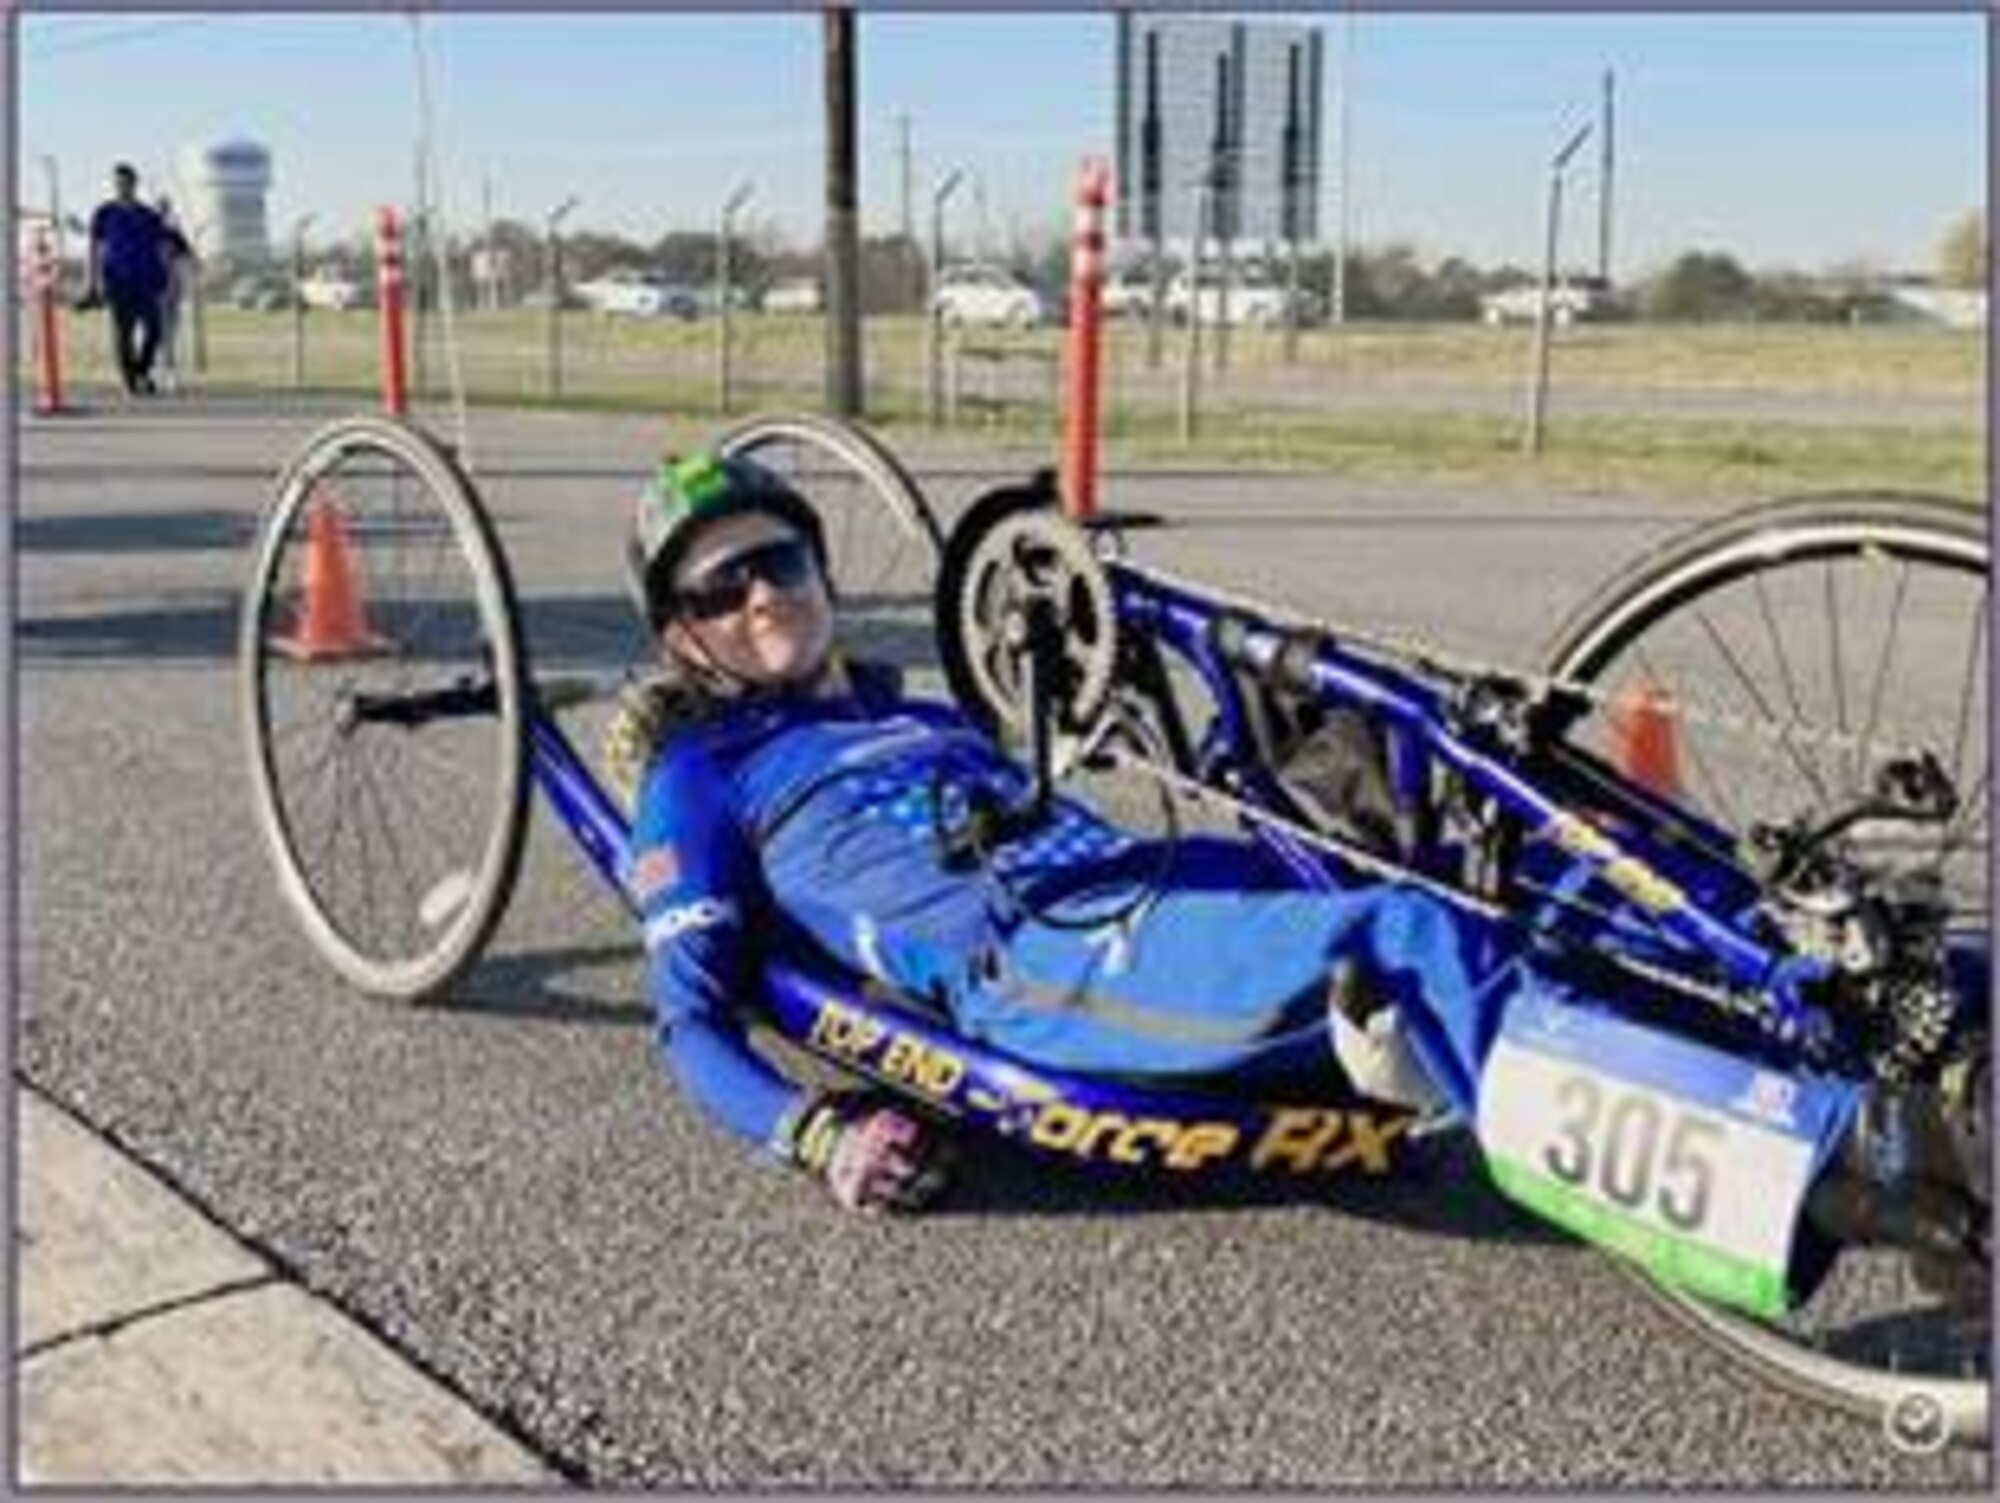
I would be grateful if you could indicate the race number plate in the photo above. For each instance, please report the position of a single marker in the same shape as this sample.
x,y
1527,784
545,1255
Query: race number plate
x,y
1688,1160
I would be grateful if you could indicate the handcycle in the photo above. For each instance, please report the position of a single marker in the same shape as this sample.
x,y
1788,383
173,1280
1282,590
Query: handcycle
x,y
1801,926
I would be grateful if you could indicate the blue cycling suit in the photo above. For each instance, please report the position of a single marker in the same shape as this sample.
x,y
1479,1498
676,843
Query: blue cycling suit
x,y
812,818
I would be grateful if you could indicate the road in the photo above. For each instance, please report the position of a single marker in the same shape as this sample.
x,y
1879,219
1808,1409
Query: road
x,y
507,1189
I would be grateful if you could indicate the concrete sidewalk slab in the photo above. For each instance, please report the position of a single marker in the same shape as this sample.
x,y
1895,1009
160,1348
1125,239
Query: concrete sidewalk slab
x,y
97,1238
157,1350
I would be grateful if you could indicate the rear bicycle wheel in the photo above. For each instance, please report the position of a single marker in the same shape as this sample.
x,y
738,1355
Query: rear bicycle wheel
x,y
1799,648
883,542
381,683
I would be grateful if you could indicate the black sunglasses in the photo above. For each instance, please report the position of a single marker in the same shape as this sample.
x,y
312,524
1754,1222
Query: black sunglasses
x,y
724,588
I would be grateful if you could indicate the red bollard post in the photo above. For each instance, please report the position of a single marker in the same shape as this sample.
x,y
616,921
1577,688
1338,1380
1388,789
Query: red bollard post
x,y
48,328
1086,336
389,296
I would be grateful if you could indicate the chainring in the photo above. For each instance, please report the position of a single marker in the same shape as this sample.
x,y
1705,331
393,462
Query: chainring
x,y
1011,550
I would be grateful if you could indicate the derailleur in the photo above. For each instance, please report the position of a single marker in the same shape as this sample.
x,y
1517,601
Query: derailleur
x,y
1910,790
1882,933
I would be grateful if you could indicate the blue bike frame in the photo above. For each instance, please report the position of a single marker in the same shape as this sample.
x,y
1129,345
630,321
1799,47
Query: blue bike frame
x,y
1220,643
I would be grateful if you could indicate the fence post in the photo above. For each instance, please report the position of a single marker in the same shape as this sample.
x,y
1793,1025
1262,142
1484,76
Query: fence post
x,y
1086,337
46,275
389,294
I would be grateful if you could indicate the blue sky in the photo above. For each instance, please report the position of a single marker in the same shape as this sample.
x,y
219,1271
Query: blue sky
x,y
1801,140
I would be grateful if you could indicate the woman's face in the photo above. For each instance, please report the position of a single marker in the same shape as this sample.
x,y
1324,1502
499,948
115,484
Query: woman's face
x,y
747,606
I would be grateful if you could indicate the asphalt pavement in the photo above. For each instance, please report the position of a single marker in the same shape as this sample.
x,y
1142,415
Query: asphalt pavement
x,y
285,1234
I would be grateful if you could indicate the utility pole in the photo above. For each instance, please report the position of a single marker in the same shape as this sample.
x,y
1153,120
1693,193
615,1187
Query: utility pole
x,y
299,227
420,244
725,292
906,246
1538,387
1346,221
490,283
552,259
843,242
1604,187
904,221
933,316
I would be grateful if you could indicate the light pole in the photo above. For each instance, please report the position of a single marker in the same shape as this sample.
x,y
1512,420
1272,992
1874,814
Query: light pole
x,y
933,315
1190,394
1538,387
198,309
553,257
298,303
723,290
1346,218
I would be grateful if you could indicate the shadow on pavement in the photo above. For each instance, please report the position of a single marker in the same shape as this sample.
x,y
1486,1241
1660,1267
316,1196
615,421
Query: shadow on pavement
x,y
529,986
135,532
1438,1188
206,631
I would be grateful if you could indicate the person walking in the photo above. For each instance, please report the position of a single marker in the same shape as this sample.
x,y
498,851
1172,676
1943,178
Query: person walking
x,y
127,274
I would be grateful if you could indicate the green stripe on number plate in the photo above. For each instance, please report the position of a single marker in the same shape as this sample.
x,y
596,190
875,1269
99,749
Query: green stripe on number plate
x,y
1673,1260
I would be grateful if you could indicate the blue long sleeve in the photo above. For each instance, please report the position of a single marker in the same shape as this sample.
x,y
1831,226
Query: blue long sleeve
x,y
696,883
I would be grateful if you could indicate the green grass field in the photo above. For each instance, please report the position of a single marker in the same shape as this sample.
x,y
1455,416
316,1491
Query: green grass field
x,y
1723,410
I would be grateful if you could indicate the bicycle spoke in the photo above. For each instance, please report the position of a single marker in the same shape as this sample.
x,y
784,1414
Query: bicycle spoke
x,y
1735,665
1891,634
387,825
1838,668
1968,686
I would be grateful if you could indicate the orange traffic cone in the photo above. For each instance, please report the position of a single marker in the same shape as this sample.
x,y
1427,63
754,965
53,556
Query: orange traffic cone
x,y
333,623
1645,746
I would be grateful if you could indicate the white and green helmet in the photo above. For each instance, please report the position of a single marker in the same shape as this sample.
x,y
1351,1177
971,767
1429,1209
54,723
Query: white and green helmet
x,y
683,496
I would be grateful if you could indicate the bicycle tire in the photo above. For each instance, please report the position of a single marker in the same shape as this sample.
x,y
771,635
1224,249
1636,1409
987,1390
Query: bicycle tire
x,y
451,919
852,448
1869,529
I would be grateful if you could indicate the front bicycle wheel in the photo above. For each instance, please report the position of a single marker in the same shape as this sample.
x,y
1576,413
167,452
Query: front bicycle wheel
x,y
883,541
1793,652
381,683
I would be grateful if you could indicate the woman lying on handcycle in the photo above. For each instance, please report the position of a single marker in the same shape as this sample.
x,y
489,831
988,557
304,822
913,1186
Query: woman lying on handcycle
x,y
787,789
789,794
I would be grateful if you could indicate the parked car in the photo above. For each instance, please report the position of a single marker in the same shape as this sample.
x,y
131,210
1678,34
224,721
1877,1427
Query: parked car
x,y
639,294
334,290
979,294
263,292
1128,293
1570,302
538,299
793,295
1253,301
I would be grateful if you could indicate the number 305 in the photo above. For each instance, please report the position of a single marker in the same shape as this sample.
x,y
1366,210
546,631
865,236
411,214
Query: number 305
x,y
1622,1153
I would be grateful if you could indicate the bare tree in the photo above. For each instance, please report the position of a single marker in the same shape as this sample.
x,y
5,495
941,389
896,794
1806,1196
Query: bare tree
x,y
1963,253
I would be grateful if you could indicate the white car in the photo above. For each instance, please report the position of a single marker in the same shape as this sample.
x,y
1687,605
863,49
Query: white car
x,y
796,295
327,289
975,294
1128,293
1569,302
1252,302
639,295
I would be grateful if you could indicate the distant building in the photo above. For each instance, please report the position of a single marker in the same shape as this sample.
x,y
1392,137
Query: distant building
x,y
224,188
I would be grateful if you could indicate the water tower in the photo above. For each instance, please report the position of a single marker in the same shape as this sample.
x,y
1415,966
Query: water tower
x,y
225,186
